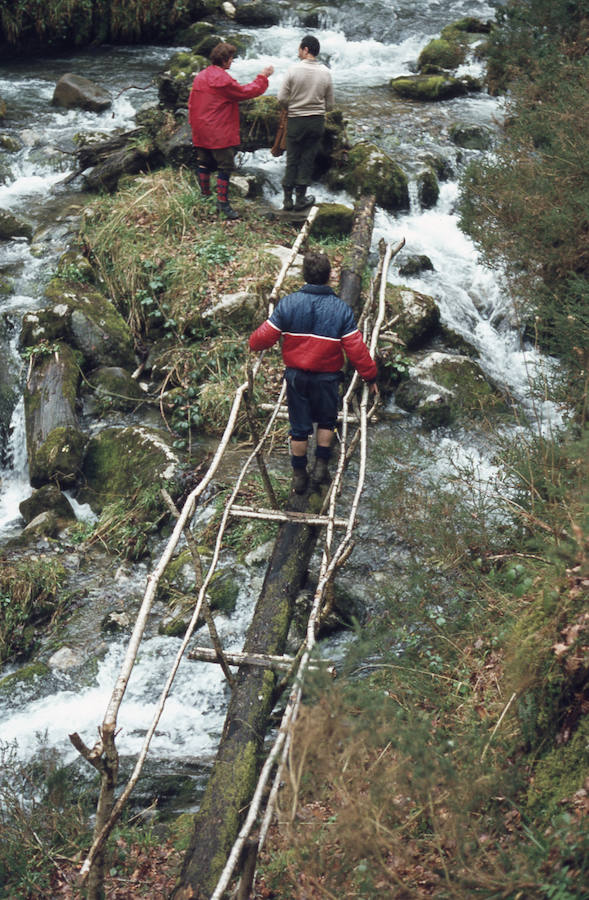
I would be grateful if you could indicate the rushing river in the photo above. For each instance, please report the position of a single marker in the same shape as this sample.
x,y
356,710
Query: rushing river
x,y
366,45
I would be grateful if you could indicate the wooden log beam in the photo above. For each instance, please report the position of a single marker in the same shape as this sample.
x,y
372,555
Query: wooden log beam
x,y
350,284
275,515
235,770
277,663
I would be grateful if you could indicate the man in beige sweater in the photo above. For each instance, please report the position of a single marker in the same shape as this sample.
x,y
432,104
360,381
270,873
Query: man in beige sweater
x,y
306,92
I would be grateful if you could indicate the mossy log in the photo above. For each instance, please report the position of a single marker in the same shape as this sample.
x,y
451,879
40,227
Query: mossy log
x,y
350,285
235,771
55,443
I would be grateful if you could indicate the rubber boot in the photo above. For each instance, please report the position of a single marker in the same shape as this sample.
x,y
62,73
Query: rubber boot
x,y
223,204
300,480
287,203
204,180
320,474
302,199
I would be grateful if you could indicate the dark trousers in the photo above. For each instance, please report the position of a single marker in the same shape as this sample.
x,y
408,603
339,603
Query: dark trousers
x,y
303,136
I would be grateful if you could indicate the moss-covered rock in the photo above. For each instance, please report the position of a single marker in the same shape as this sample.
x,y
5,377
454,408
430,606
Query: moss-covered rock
x,y
258,122
432,88
2,109
223,592
25,675
442,54
74,266
414,265
428,189
11,226
119,462
418,315
112,387
470,137
48,497
257,13
333,220
175,83
86,319
445,388
368,170
9,143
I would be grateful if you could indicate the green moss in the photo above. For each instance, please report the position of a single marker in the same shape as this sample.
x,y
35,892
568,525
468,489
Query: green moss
x,y
23,676
443,53
560,773
431,87
333,220
181,831
368,170
223,592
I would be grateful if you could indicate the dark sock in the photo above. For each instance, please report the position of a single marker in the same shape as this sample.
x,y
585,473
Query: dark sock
x,y
299,462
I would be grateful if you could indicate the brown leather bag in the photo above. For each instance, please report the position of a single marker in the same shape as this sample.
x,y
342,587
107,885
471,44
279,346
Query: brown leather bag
x,y
279,145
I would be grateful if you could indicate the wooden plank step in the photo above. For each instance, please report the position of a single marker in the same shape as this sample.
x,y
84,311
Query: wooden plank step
x,y
277,515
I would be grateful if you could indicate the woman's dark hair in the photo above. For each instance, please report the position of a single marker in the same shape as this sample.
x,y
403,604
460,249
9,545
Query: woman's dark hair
x,y
311,43
222,53
316,267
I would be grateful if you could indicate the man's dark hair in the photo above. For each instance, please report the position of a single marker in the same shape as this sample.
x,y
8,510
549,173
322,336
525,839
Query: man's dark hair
x,y
316,267
222,53
311,43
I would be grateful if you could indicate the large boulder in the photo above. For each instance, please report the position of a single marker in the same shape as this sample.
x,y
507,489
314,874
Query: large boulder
x,y
121,461
111,387
74,91
369,170
428,189
441,54
55,442
431,88
86,319
418,315
175,82
333,220
470,136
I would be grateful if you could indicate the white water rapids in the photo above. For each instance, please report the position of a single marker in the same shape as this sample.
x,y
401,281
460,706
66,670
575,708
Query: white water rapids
x,y
471,298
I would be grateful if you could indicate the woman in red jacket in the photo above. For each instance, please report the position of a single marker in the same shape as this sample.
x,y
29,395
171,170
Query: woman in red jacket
x,y
213,113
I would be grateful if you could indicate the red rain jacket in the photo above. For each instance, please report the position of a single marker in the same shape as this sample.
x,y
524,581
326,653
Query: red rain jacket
x,y
213,107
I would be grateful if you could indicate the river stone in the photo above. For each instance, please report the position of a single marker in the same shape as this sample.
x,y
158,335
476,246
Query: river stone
x,y
9,143
64,659
114,388
470,137
47,497
428,189
121,461
368,170
430,88
419,316
2,109
75,91
333,220
43,525
415,264
257,14
441,54
12,227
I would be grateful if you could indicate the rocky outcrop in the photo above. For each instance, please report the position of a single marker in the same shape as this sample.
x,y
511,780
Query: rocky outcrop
x,y
55,442
76,92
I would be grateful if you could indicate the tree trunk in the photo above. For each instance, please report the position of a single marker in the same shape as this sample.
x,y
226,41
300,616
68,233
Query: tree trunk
x,y
237,763
350,285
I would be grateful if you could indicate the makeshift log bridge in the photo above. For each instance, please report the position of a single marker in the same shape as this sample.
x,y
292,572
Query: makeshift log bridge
x,y
217,847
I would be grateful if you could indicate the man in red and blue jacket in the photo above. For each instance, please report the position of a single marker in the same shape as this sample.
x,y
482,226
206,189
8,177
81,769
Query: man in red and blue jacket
x,y
316,327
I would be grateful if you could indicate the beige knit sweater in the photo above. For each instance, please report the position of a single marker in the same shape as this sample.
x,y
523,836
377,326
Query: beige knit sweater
x,y
307,89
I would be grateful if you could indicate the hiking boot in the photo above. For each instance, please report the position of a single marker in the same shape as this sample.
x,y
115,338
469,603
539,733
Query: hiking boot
x,y
287,203
300,479
227,210
320,474
302,199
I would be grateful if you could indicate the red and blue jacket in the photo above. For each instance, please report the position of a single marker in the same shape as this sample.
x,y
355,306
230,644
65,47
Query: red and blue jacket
x,y
315,326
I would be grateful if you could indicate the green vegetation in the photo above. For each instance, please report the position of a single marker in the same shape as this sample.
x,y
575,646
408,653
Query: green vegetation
x,y
455,762
30,595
